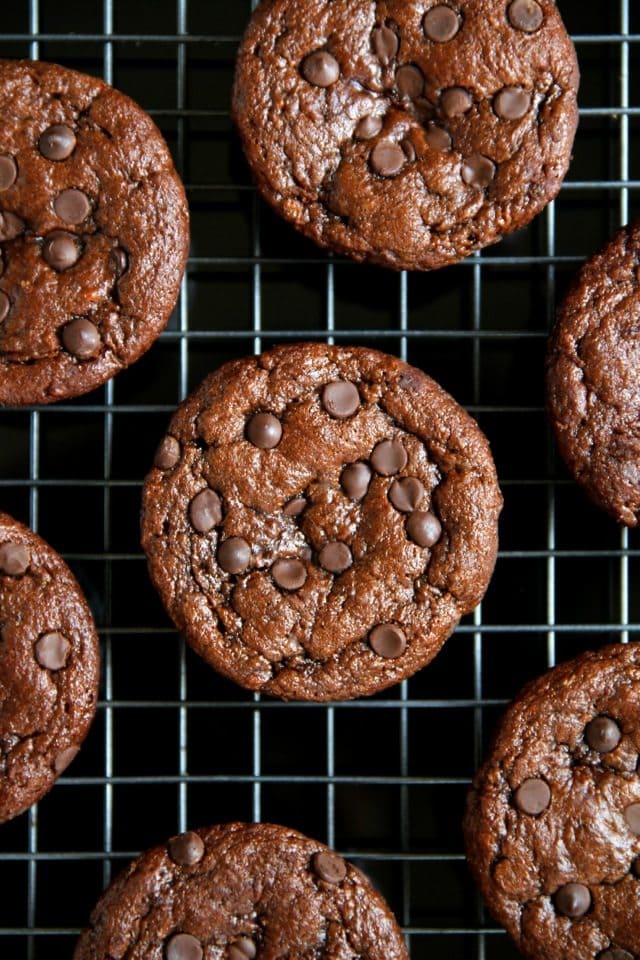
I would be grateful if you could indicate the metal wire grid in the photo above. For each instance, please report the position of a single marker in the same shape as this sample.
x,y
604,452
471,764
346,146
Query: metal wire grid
x,y
408,794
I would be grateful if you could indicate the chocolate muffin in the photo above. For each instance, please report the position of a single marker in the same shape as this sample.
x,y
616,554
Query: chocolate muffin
x,y
241,891
49,667
93,232
553,819
318,519
593,377
402,133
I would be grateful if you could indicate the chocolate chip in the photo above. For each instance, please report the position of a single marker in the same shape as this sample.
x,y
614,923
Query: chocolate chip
x,y
235,953
64,758
57,142
388,641
511,103
52,651
406,494
478,171
438,138
289,574
355,480
525,15
385,44
410,81
205,511
632,816
8,172
441,24
72,206
121,260
264,431
368,128
455,101
602,734
409,150
572,900
424,528
615,954
389,457
183,946
246,946
167,454
635,866
329,866
295,507
387,158
14,559
335,557
533,796
11,226
61,250
234,555
320,69
340,399
186,849
5,305
81,338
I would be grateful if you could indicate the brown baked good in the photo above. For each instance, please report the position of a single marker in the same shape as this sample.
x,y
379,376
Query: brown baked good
x,y
319,518
553,820
407,134
241,891
49,667
93,232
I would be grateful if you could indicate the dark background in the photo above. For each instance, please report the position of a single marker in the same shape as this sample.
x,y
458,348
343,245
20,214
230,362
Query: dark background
x,y
175,745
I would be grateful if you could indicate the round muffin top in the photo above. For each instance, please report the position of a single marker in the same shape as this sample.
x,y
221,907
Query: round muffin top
x,y
318,519
407,132
241,892
593,377
553,819
93,232
49,667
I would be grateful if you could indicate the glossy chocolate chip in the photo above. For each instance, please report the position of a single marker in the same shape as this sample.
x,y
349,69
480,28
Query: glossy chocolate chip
x,y
121,261
167,454
320,69
511,103
441,24
389,457
533,796
52,651
246,946
525,15
388,641
406,494
424,528
368,128
385,44
61,250
409,150
438,138
455,101
205,511
614,953
11,226
290,574
632,816
635,867
335,557
72,206
410,81
81,338
572,900
64,758
183,946
264,430
329,866
8,172
235,953
478,171
186,849
57,142
355,480
387,158
340,399
14,559
234,555
602,734
5,305
295,507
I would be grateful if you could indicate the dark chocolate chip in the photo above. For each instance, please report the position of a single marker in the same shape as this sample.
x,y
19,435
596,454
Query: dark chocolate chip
x,y
387,158
320,69
632,816
11,226
295,507
533,796
205,511
329,866
406,494
57,142
410,81
121,260
385,44
409,150
235,953
14,559
525,15
335,557
289,574
5,305
635,866
355,480
368,128
424,528
340,399
72,206
186,849
438,138
183,946
389,457
167,454
512,103
388,641
572,900
61,250
234,555
441,24
8,172
246,946
455,101
614,953
602,734
81,338
478,171
264,431
52,651
64,758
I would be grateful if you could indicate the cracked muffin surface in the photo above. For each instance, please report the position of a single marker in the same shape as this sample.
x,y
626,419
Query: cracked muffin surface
x,y
593,377
319,518
241,891
49,667
93,232
407,133
553,818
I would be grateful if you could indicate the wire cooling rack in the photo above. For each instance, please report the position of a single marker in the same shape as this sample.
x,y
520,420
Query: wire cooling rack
x,y
174,745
